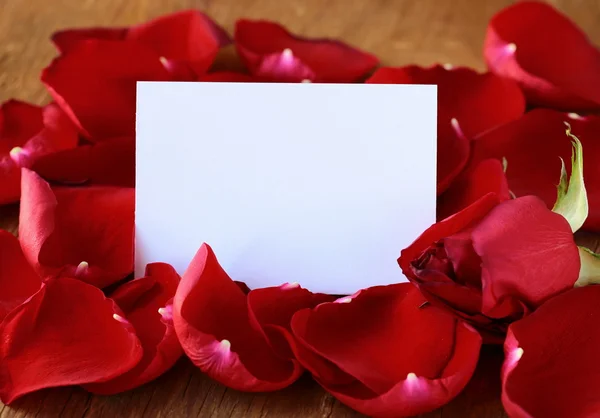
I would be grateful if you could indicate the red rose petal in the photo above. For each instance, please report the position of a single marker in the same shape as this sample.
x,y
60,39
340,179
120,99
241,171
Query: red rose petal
x,y
110,162
18,280
273,307
407,359
552,59
67,333
188,40
551,367
27,133
542,261
65,40
328,60
146,304
95,84
469,104
487,177
218,333
533,146
81,232
284,67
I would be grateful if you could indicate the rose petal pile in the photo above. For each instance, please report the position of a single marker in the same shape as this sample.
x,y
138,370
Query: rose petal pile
x,y
501,265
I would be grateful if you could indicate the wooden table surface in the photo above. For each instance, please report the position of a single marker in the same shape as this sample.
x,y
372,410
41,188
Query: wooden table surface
x,y
398,31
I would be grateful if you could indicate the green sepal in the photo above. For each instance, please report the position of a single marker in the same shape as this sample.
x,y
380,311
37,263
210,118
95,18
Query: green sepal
x,y
571,200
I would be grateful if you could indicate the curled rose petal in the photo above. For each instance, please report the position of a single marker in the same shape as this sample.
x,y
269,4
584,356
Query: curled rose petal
x,y
188,40
533,147
404,358
146,303
270,50
18,280
551,367
487,177
469,104
231,336
552,59
67,333
85,233
94,82
110,162
28,132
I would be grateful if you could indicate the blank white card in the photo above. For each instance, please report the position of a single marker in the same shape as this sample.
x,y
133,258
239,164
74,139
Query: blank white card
x,y
319,184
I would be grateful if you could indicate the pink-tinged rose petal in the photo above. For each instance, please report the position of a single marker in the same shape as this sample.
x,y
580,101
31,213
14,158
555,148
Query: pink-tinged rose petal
x,y
487,177
28,133
18,280
110,163
187,40
552,59
146,304
528,255
551,367
67,333
94,82
231,336
533,146
469,104
284,67
82,232
405,358
326,60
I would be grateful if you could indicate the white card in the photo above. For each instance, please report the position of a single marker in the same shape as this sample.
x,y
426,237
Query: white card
x,y
319,184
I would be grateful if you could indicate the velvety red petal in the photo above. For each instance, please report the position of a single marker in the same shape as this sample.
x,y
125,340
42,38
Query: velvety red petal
x,y
328,60
551,367
271,310
67,39
67,333
213,323
487,177
146,303
94,82
406,358
552,59
110,162
18,280
27,133
528,254
80,232
469,103
533,146
189,38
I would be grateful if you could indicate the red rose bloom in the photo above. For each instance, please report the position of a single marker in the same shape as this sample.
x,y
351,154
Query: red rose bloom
x,y
494,261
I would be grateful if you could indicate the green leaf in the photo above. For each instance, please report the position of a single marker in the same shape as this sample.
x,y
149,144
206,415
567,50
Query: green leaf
x,y
571,200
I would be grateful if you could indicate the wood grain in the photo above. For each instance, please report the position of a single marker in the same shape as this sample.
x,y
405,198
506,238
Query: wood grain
x,y
398,31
